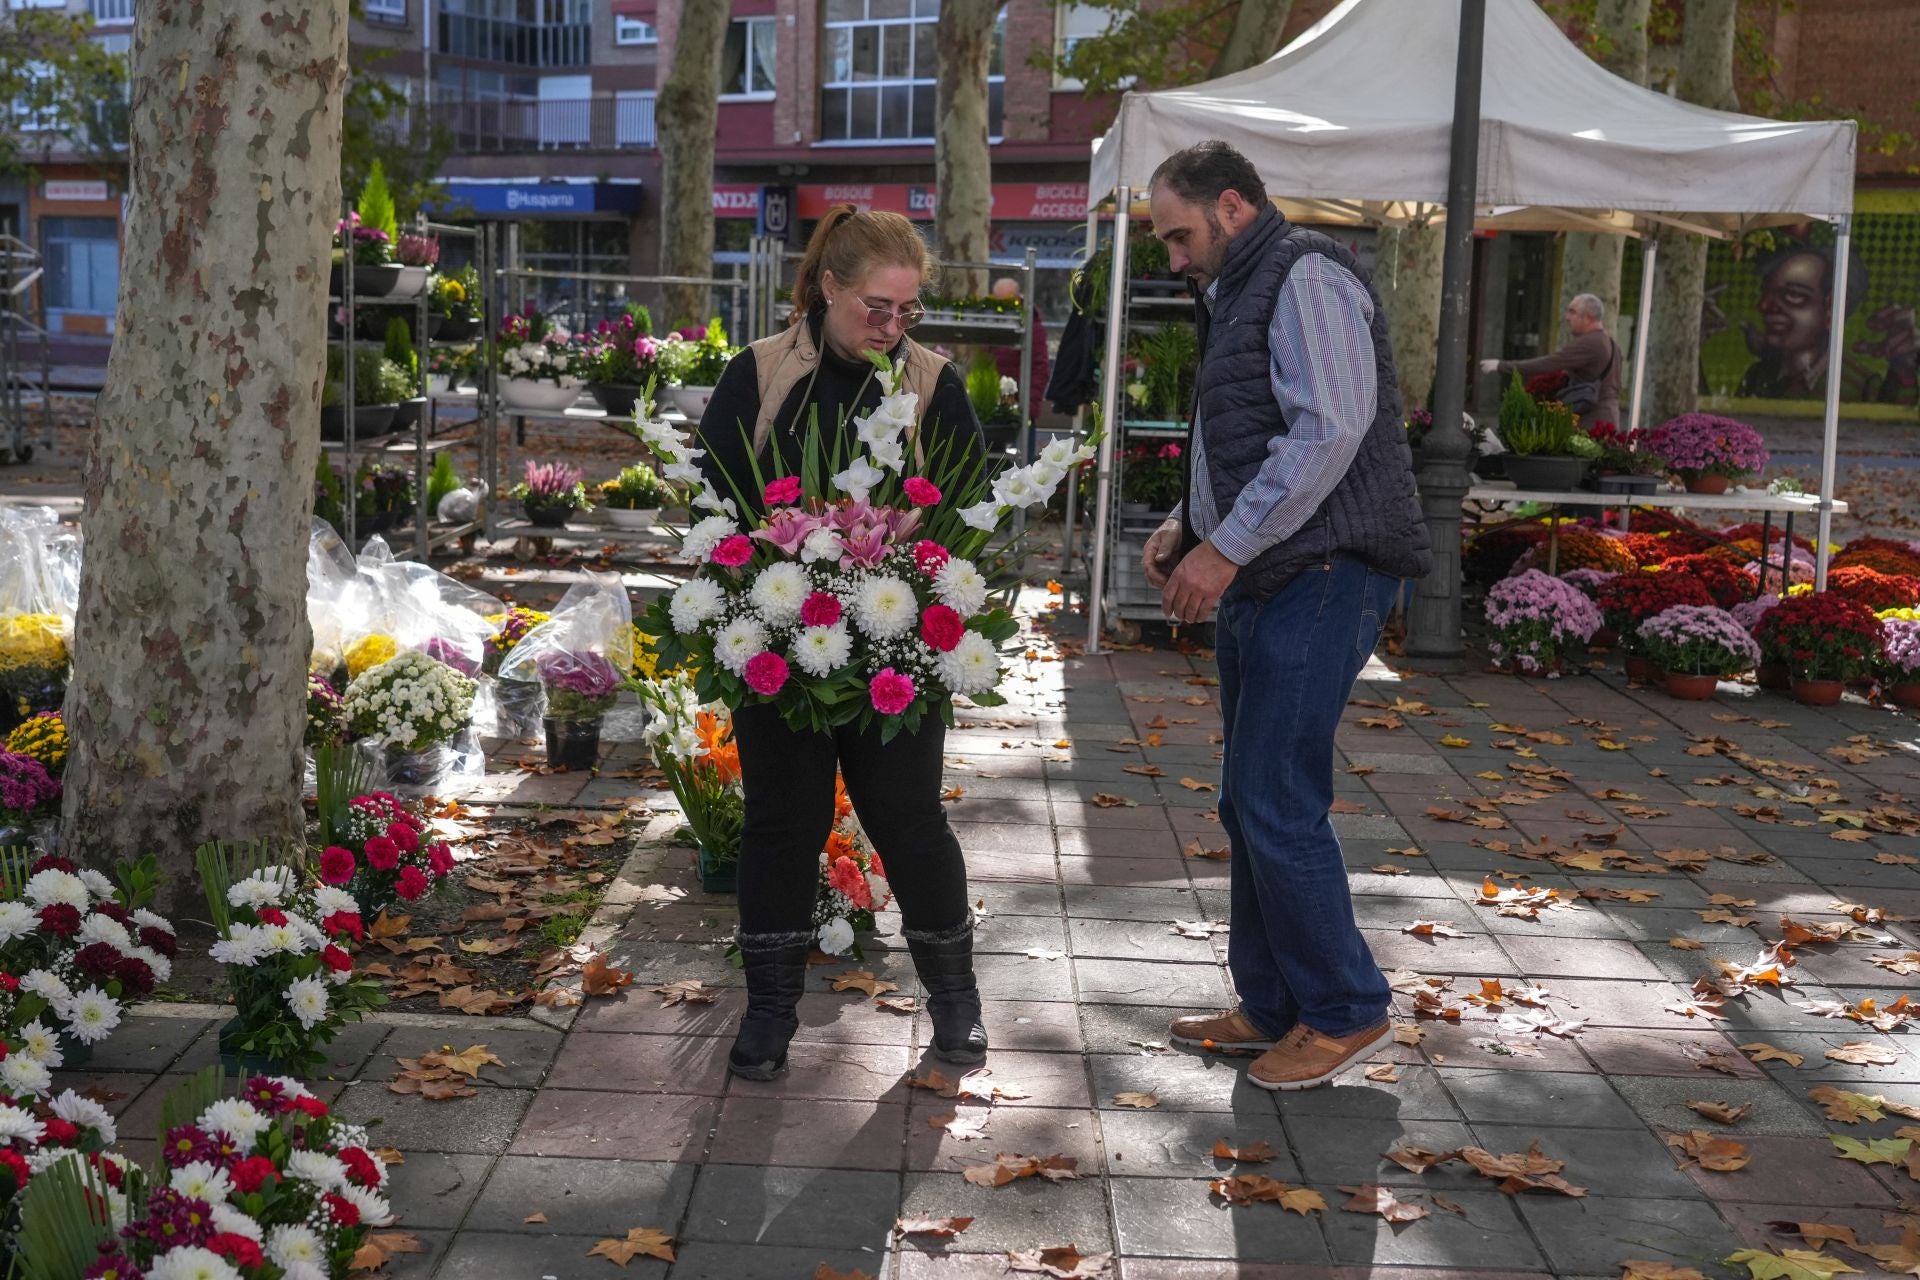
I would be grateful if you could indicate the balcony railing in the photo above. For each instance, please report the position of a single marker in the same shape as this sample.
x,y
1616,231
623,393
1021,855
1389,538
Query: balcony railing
x,y
602,122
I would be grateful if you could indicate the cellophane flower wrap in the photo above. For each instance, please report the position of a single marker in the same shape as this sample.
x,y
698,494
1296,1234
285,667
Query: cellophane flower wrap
x,y
1692,640
409,702
580,684
74,948
382,853
856,597
694,747
1535,618
1629,599
33,660
1705,444
510,628
285,947
267,1184
853,883
1900,651
1821,637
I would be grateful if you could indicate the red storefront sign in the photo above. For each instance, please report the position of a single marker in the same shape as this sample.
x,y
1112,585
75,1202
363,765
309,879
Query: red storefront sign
x,y
1012,201
736,200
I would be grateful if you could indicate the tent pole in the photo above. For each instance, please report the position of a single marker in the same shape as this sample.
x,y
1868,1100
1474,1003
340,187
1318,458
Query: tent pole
x,y
1110,378
1433,620
1079,420
1650,250
1836,353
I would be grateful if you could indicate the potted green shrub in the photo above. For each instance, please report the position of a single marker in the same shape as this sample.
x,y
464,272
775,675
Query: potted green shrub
x,y
633,499
379,386
400,352
999,413
1546,452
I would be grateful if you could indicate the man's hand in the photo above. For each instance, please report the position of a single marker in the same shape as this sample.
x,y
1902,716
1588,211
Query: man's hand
x,y
1163,553
1197,585
1489,366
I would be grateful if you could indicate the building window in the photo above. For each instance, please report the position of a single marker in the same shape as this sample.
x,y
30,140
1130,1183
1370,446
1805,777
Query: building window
x,y
879,67
1073,23
746,62
105,11
83,264
633,31
391,9
30,113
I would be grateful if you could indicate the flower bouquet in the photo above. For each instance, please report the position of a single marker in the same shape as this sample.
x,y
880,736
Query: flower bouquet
x,y
1535,618
1709,452
1900,660
380,853
538,363
72,947
1697,647
42,738
516,703
691,360
551,493
283,944
694,748
855,597
853,884
411,706
33,664
1824,640
581,687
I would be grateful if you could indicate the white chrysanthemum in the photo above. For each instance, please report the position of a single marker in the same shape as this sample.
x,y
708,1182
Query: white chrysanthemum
x,y
307,997
51,886
1015,488
705,535
858,479
822,650
291,1087
267,887
161,966
821,544
232,1221
884,607
283,937
17,920
24,1076
38,1041
694,602
984,515
202,1180
877,885
191,1262
151,920
836,935
971,666
85,1113
779,592
99,928
289,1244
46,984
960,586
325,1171
16,1124
737,642
238,1119
331,901
97,884
244,945
373,1207
92,1015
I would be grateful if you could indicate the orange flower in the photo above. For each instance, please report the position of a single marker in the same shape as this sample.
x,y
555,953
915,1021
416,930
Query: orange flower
x,y
842,806
716,735
840,845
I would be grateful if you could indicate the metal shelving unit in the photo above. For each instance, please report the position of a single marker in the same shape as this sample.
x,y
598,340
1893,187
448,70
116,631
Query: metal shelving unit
x,y
20,269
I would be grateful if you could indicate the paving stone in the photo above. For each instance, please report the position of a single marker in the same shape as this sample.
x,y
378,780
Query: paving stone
x,y
641,1011
1199,986
702,1261
1477,953
418,1266
850,1072
1154,905
1635,1052
1037,1025
1017,935
1170,1217
1596,1234
1662,1102
483,1124
1416,1095
1750,1222
808,1208
1038,1131
1183,1082
524,1056
494,1255
1794,1171
614,1126
1023,978
1592,958
642,1064
148,1044
579,1197
828,1135
1821,1069
1538,1097
1489,1234
1020,1215
1134,940
432,1189
1122,1028
1161,1144
1607,1162
1351,1149
1475,1045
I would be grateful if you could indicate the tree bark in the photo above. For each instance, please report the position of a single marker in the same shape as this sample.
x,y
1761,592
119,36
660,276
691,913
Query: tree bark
x,y
1590,261
1255,37
188,699
1706,77
1406,275
962,161
688,111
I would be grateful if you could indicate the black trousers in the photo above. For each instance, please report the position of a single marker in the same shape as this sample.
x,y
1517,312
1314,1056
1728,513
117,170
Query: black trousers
x,y
895,790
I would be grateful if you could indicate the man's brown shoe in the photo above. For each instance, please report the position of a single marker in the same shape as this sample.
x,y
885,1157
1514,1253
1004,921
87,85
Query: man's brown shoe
x,y
1228,1029
1305,1058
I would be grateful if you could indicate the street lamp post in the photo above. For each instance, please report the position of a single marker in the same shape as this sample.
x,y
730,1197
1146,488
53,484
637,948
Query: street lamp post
x,y
1433,620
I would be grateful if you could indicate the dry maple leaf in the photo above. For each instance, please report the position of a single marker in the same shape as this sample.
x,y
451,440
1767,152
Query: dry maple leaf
x,y
1060,1260
861,980
1761,1051
1383,1073
897,1004
1007,1167
1252,1153
1141,1101
1194,849
598,978
1710,1151
1144,770
1724,1112
639,1240
1387,869
1789,1264
1372,1198
686,991
1848,1107
1864,1053
1635,1269
921,1225
1904,965
1685,944
1105,800
962,1126
1432,928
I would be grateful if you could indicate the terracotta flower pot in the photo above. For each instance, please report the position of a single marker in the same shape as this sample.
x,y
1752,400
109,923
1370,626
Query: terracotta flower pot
x,y
1642,670
1905,695
1709,484
1773,675
1818,693
1691,688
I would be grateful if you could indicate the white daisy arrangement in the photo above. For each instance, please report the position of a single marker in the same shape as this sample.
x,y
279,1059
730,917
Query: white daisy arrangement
x,y
852,591
409,702
284,942
73,948
536,348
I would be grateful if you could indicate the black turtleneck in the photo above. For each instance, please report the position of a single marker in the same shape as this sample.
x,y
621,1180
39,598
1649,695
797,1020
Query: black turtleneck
x,y
843,390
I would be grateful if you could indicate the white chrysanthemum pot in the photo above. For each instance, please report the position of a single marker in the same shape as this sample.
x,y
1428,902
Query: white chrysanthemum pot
x,y
636,518
537,395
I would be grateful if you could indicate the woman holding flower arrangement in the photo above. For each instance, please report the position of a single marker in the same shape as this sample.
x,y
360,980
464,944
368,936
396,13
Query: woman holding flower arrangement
x,y
855,297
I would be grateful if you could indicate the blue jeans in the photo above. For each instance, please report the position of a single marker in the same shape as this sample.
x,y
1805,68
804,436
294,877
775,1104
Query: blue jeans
x,y
1286,668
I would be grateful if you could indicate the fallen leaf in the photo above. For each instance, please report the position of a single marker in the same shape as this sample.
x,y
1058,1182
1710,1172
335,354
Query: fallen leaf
x,y
1789,1264
1060,1260
1107,801
1141,1101
1684,944
1252,1153
1863,1053
1710,1151
1760,1051
1007,1168
1144,770
1194,784
598,978
467,1062
1431,928
1896,859
897,1004
921,1225
684,992
536,1216
861,980
1638,1270
1384,1073
382,1245
1454,740
1848,1107
1874,1151
1372,1198
1252,1188
639,1240
1724,1112
1194,849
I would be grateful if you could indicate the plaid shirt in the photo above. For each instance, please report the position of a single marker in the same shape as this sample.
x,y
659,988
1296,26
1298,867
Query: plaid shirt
x,y
1323,378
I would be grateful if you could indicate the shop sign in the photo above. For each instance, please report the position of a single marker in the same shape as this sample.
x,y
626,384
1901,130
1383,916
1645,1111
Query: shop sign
x,y
73,189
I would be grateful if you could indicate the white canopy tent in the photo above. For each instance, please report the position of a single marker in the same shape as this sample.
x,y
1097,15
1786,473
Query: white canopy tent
x,y
1349,124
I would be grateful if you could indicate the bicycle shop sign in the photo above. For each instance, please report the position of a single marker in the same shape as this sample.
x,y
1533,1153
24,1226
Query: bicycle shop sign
x,y
1012,201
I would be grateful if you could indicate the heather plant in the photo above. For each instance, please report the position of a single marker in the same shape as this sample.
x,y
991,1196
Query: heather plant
x,y
551,485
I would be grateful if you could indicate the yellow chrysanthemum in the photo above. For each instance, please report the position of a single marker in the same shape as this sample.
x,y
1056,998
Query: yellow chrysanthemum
x,y
1800,589
1899,615
368,652
32,640
44,738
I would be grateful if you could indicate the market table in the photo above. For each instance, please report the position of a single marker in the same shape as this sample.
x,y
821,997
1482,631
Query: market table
x,y
1788,505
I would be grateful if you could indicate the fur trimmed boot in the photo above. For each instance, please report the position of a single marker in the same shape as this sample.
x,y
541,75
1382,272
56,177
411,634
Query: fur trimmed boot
x,y
944,960
776,970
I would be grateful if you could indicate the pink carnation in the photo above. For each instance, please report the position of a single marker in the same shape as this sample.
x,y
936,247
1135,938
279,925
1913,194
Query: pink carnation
x,y
783,491
766,672
891,692
821,609
733,551
921,492
941,628
929,555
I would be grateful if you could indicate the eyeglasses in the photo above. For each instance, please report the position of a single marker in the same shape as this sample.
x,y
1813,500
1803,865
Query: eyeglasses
x,y
879,317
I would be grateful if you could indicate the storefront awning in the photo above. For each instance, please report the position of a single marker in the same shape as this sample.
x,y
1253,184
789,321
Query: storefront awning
x,y
538,198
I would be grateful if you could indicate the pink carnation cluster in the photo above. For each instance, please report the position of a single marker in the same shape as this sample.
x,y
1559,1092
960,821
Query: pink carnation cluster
x,y
384,853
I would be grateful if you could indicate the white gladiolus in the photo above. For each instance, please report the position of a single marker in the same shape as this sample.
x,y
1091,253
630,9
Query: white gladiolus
x,y
859,479
984,516
1015,488
885,607
889,454
707,499
960,586
821,650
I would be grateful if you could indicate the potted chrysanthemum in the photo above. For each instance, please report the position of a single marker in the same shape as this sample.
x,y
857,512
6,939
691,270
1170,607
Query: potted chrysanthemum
x,y
1536,619
1824,640
1697,646
1900,659
581,687
1708,452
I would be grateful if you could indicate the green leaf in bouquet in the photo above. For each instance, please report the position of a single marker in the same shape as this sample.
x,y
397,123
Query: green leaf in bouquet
x,y
340,773
63,1222
16,863
224,863
185,1102
139,881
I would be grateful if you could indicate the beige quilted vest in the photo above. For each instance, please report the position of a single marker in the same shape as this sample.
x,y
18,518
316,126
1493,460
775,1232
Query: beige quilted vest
x,y
786,358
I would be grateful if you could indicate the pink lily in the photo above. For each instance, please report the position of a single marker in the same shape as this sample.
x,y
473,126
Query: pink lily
x,y
787,529
864,547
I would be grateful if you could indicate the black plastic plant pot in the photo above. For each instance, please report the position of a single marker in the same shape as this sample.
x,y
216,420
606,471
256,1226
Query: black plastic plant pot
x,y
407,413
1545,472
617,398
369,421
573,744
517,704
548,517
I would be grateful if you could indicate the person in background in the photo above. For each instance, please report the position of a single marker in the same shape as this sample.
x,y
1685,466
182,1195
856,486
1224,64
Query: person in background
x,y
1007,359
1591,359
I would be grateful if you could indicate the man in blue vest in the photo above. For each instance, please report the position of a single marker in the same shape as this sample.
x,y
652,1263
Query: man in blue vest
x,y
1300,525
